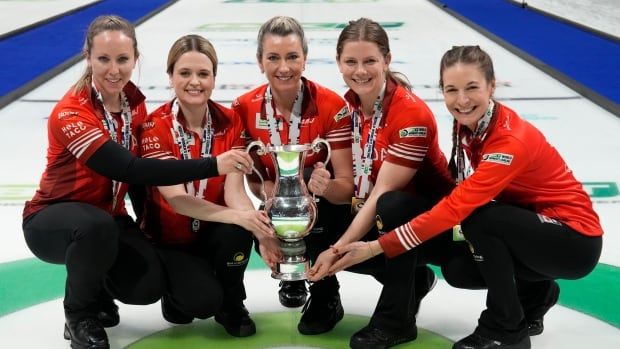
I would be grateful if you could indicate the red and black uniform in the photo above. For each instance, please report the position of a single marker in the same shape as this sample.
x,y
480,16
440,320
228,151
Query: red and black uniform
x,y
217,254
70,220
75,131
513,165
156,141
75,218
324,114
520,206
406,136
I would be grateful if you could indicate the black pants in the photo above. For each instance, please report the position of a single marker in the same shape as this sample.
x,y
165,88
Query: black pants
x,y
518,254
102,254
406,275
202,276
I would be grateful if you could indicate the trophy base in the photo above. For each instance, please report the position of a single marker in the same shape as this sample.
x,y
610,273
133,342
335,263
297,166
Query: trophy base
x,y
291,271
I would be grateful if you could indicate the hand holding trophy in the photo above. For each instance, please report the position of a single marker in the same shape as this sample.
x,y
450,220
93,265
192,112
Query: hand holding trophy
x,y
290,206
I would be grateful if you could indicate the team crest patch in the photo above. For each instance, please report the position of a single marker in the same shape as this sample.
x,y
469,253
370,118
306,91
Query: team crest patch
x,y
412,132
343,113
498,158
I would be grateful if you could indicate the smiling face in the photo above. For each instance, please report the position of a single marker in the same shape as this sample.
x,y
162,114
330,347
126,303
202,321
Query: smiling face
x,y
466,93
282,62
363,68
112,60
193,79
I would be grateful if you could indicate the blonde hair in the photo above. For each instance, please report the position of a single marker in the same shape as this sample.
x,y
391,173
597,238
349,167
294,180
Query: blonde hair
x,y
281,26
97,26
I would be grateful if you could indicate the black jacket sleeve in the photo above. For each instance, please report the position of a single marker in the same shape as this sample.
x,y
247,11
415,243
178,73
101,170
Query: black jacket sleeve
x,y
138,195
115,162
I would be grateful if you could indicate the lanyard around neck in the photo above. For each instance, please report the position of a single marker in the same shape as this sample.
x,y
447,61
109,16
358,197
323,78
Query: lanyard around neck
x,y
111,126
182,139
109,122
362,161
294,123
463,164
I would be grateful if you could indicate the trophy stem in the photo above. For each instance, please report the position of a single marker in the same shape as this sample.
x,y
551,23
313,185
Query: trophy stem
x,y
294,264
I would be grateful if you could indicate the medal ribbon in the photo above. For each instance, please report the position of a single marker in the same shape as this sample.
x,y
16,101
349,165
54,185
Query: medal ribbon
x,y
463,164
294,123
111,126
182,139
362,162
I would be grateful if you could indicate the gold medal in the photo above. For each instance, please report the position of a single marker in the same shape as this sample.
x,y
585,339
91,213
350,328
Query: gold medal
x,y
379,223
356,205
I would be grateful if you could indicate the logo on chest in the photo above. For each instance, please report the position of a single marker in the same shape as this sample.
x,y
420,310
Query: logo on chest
x,y
261,124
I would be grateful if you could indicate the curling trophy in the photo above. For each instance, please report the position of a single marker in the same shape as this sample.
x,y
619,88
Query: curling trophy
x,y
291,208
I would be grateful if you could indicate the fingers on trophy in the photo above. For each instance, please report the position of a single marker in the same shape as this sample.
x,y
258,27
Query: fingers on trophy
x,y
291,208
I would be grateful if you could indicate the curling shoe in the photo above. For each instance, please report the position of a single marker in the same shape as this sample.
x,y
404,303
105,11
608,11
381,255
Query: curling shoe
x,y
476,341
86,333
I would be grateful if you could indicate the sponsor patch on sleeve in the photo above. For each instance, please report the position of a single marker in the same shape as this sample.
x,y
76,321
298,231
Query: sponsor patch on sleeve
x,y
343,113
67,114
498,158
415,131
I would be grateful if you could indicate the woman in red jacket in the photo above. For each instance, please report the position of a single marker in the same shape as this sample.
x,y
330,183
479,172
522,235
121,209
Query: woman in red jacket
x,y
525,217
77,216
291,109
202,230
400,171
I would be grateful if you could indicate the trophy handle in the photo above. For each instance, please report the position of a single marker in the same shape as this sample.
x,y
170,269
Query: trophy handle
x,y
260,152
316,147
261,147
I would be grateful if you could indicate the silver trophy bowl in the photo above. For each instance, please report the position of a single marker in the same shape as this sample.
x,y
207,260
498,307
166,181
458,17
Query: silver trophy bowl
x,y
290,206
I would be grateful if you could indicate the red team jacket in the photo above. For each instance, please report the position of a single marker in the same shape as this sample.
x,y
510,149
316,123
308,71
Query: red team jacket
x,y
407,136
156,141
75,131
324,114
514,164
